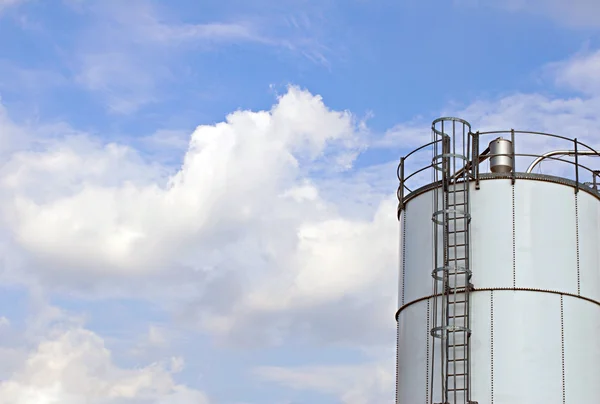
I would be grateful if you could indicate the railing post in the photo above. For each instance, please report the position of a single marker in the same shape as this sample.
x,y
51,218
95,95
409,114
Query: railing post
x,y
401,196
513,162
476,158
576,167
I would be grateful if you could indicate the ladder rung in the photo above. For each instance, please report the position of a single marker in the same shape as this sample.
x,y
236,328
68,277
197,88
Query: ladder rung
x,y
456,291
461,389
457,360
458,245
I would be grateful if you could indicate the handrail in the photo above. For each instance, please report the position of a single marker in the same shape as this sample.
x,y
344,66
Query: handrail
x,y
559,153
579,149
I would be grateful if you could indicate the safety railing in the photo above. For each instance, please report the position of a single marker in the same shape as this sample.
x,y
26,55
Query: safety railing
x,y
525,158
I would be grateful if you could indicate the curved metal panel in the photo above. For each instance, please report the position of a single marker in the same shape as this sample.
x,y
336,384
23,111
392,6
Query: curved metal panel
x,y
545,235
517,337
582,350
588,214
527,348
418,248
481,347
412,354
492,234
435,370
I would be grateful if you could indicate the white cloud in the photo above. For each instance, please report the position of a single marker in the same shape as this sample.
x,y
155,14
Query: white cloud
x,y
240,231
126,216
73,366
580,73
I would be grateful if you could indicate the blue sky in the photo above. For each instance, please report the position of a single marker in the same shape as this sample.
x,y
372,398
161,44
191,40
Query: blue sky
x,y
198,198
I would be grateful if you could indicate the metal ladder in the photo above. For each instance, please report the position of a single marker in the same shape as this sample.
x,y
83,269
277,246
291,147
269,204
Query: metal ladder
x,y
451,272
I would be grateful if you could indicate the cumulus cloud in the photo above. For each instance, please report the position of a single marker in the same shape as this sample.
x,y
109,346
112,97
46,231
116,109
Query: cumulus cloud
x,y
247,230
73,366
127,217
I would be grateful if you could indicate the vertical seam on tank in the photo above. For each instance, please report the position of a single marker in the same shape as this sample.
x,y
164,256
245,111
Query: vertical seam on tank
x,y
577,245
562,347
402,302
492,346
403,253
514,244
427,355
397,358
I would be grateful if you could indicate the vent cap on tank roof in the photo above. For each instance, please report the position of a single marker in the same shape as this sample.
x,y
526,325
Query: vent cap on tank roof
x,y
501,150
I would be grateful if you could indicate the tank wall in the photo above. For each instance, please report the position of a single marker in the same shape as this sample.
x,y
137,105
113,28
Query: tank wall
x,y
555,242
492,234
418,248
527,348
582,351
545,236
412,354
516,349
534,235
588,219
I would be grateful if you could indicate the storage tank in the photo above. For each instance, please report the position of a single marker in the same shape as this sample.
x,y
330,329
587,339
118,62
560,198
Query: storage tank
x,y
499,292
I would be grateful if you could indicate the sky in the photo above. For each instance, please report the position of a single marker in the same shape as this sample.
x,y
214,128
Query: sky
x,y
198,200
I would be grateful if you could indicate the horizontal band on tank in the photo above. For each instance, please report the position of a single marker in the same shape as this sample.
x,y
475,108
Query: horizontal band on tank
x,y
554,292
517,175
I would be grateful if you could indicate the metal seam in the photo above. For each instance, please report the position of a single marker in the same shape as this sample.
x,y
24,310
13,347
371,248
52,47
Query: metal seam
x,y
514,244
556,292
562,345
494,176
427,355
397,357
492,347
577,244
403,255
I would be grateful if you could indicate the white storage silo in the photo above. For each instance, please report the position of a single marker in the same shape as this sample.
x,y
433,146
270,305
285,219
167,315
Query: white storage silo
x,y
499,297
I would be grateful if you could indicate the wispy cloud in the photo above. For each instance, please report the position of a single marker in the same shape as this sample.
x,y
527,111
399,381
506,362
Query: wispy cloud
x,y
572,13
130,54
5,4
579,73
351,384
